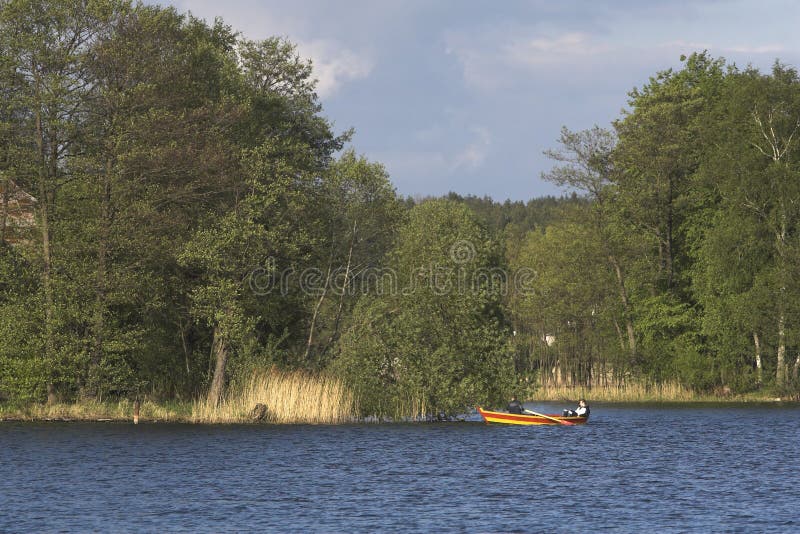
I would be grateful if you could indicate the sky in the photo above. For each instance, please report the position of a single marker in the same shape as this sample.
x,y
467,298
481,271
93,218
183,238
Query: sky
x,y
465,95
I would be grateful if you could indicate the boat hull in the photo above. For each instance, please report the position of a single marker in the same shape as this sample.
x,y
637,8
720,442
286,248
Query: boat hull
x,y
515,419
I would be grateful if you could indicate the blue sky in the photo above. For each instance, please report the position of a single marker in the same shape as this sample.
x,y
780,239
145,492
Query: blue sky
x,y
464,95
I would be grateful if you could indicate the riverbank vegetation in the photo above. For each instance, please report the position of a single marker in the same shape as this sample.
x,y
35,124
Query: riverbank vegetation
x,y
287,398
94,410
179,218
293,397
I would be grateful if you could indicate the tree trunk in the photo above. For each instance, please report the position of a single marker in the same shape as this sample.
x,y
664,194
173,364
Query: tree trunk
x,y
338,320
52,396
219,351
623,294
313,324
101,288
780,373
670,230
796,367
619,334
44,226
757,343
4,213
185,345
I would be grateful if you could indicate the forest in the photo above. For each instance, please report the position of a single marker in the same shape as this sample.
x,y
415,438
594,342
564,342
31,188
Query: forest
x,y
178,213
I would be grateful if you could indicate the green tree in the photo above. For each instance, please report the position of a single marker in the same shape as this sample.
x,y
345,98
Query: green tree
x,y
436,339
661,145
748,260
362,214
586,164
224,253
658,150
284,149
569,320
48,43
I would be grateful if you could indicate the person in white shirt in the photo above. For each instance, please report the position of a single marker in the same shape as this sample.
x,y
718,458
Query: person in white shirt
x,y
582,410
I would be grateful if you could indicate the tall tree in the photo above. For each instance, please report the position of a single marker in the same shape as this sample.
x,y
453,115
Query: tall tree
x,y
432,338
659,149
48,43
284,148
585,164
362,214
158,158
753,169
259,228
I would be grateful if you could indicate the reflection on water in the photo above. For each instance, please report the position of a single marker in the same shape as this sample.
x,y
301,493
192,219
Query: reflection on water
x,y
712,468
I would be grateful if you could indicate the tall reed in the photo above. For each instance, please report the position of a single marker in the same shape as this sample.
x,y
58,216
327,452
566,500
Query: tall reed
x,y
290,397
405,408
629,392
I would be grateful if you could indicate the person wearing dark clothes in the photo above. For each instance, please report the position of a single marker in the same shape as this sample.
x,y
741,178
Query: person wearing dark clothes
x,y
582,410
515,406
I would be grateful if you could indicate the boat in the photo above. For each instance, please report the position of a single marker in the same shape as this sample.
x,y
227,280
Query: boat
x,y
529,419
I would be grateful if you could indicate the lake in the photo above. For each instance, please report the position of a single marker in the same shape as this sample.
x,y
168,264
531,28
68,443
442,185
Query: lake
x,y
708,468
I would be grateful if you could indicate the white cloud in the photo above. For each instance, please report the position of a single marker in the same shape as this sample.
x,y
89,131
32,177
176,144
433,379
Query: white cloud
x,y
422,163
334,65
547,50
474,154
492,62
478,67
764,49
735,49
531,60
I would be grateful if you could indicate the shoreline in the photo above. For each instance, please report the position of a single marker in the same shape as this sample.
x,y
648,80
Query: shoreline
x,y
154,413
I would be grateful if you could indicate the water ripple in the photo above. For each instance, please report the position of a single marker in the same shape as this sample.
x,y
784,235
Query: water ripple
x,y
678,469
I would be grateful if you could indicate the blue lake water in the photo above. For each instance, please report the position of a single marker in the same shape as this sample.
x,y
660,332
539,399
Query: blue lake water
x,y
632,468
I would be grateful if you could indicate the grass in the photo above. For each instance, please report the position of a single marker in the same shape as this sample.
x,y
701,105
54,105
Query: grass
x,y
290,397
639,392
97,411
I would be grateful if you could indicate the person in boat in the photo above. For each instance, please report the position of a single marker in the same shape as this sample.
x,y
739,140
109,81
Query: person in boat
x,y
515,406
581,411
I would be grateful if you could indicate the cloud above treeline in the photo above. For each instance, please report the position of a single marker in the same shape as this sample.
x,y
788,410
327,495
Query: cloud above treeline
x,y
334,64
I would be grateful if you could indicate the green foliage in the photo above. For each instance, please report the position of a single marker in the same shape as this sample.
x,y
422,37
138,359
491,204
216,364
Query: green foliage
x,y
437,342
188,188
22,370
687,249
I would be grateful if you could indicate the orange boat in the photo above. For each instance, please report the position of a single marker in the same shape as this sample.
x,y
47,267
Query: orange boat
x,y
529,419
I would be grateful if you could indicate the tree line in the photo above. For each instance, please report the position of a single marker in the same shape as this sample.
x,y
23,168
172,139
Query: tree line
x,y
197,218
683,264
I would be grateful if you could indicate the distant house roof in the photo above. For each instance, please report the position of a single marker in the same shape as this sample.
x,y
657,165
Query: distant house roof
x,y
20,210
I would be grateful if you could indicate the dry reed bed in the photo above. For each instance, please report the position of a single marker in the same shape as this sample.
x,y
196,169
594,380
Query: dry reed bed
x,y
290,397
668,392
